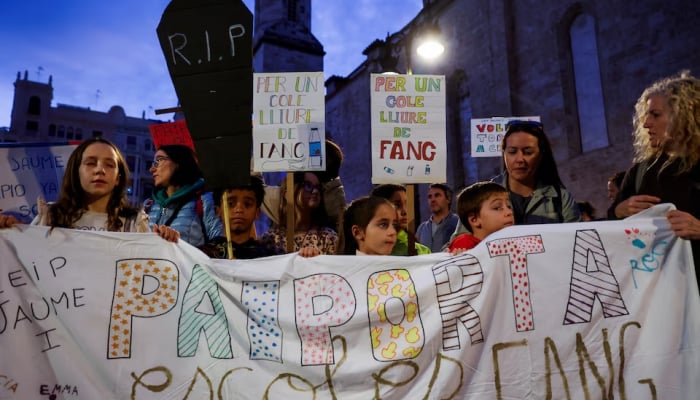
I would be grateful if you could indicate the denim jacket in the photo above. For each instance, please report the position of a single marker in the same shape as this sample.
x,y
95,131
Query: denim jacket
x,y
187,221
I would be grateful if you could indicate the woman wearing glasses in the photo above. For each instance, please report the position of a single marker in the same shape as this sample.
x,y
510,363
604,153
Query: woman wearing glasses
x,y
313,234
179,200
530,174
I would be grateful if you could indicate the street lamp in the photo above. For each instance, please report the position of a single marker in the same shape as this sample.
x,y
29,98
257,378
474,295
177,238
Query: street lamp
x,y
429,46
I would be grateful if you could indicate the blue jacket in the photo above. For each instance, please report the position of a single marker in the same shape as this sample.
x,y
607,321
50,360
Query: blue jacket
x,y
187,221
444,230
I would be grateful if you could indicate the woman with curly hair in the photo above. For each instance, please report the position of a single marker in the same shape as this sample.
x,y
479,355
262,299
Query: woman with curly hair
x,y
667,157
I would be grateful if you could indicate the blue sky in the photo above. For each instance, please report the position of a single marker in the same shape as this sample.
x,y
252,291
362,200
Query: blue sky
x,y
105,53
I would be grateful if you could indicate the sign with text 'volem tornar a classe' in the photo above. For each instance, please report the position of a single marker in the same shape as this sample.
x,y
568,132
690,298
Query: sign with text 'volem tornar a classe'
x,y
487,134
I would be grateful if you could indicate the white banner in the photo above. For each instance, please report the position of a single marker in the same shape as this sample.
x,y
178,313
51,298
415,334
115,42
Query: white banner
x,y
487,134
30,171
409,142
289,122
580,310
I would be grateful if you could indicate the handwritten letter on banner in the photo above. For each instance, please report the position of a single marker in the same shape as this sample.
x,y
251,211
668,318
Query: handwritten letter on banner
x,y
289,120
408,129
581,310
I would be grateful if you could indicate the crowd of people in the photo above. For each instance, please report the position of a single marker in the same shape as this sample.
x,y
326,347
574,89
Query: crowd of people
x,y
666,169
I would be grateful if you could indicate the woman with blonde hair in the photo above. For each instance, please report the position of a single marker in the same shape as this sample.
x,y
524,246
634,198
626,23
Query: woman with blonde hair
x,y
667,157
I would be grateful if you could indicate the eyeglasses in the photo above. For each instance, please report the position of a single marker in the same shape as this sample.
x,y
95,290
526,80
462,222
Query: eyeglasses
x,y
157,161
517,124
310,187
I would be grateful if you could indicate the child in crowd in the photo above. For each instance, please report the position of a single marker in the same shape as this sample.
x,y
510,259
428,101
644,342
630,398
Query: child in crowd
x,y
312,232
243,209
406,243
483,208
93,195
368,227
587,210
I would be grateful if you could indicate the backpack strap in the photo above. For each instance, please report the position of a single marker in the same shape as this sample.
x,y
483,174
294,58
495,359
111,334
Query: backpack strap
x,y
557,204
199,208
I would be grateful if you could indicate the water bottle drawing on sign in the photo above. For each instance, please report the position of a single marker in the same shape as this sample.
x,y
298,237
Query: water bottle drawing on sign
x,y
409,170
315,159
389,170
427,169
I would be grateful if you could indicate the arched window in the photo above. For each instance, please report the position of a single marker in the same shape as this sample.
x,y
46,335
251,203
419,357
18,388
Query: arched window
x,y
589,90
34,106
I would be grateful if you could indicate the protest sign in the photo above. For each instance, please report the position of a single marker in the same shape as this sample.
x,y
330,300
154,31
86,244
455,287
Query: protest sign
x,y
408,128
487,134
580,310
171,133
289,117
208,48
28,171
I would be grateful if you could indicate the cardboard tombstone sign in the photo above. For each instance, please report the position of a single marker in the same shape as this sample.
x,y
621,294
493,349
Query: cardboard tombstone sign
x,y
208,49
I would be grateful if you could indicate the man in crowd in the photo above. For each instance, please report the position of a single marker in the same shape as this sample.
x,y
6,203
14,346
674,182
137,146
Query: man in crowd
x,y
436,231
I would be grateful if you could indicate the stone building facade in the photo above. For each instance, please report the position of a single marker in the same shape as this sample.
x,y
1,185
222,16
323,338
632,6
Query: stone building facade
x,y
579,65
34,119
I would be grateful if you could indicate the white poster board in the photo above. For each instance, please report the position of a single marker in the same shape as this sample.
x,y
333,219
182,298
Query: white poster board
x,y
289,117
408,128
585,310
29,171
487,134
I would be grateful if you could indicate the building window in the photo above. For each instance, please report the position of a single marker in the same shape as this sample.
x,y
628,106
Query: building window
x,y
69,133
131,143
61,131
589,89
131,162
147,145
34,106
52,130
32,128
78,133
292,10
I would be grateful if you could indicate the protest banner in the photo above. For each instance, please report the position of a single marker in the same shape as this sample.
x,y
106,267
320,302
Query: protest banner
x,y
289,122
487,134
580,310
408,128
28,171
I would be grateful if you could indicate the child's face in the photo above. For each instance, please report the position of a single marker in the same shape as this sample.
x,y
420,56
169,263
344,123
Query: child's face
x,y
98,171
495,214
379,237
242,210
400,201
309,195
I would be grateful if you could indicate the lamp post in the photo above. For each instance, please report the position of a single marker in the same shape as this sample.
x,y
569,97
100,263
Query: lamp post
x,y
429,47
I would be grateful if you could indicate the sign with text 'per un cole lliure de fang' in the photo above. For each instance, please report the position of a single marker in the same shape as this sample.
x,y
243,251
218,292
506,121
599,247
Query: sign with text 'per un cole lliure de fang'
x,y
208,49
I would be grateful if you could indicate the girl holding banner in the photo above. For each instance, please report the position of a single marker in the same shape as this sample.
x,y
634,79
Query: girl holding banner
x,y
93,194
